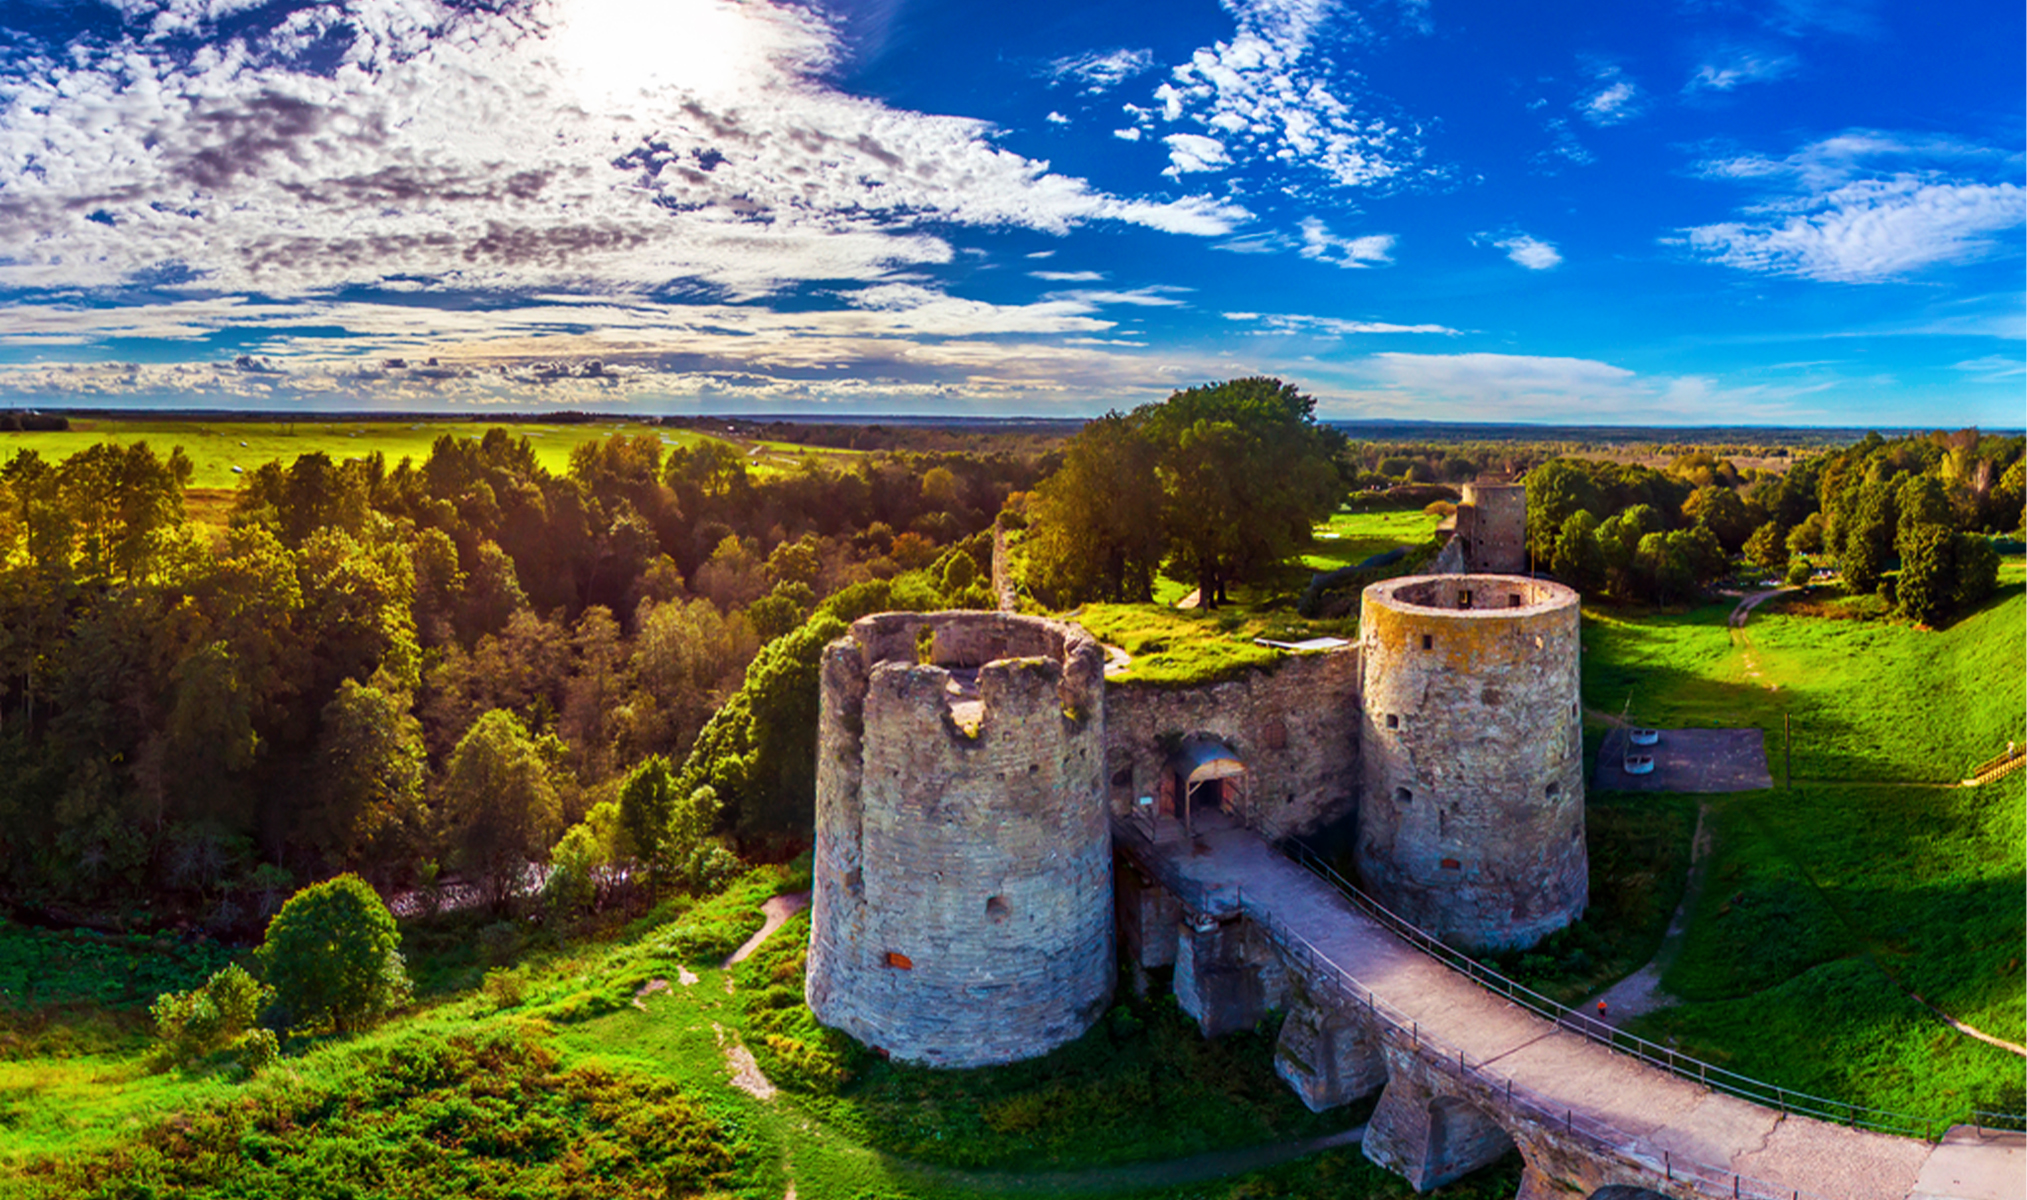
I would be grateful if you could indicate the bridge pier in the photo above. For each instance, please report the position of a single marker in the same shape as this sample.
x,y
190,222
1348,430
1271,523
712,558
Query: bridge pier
x,y
1426,1130
1329,1050
1227,973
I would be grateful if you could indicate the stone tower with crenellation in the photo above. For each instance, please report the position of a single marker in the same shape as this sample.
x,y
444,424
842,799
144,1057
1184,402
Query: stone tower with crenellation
x,y
963,900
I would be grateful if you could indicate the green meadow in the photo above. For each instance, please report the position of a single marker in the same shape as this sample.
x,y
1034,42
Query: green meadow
x,y
1840,916
1349,538
216,447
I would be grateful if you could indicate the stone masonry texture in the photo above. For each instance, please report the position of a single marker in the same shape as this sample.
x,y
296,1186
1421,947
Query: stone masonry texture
x,y
1492,528
963,895
1295,727
1471,823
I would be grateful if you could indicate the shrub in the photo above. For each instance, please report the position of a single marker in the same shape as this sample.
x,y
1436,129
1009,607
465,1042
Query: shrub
x,y
333,955
257,1049
220,1013
506,987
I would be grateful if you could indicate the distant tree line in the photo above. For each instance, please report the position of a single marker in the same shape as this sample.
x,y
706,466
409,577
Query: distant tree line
x,y
433,667
1906,517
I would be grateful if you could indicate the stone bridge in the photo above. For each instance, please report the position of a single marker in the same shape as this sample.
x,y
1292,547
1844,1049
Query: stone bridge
x,y
1464,1074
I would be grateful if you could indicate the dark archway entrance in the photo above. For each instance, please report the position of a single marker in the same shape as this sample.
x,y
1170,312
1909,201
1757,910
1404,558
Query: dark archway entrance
x,y
1208,777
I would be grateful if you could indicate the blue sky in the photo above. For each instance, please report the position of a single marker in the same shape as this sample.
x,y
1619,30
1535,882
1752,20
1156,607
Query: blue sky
x,y
1680,212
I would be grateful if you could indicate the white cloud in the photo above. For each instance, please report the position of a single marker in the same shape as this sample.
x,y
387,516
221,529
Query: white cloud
x,y
1375,249
1266,96
1516,387
482,152
1099,72
1189,153
1863,207
1870,231
1154,296
1737,67
1056,118
1130,134
1616,99
1992,368
1298,323
1069,276
1527,251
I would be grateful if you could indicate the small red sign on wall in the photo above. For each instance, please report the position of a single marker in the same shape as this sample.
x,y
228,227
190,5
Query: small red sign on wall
x,y
902,961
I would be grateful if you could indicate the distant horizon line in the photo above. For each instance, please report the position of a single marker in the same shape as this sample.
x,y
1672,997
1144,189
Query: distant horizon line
x,y
532,416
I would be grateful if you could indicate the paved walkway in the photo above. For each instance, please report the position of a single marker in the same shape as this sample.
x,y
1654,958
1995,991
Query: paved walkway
x,y
1654,1110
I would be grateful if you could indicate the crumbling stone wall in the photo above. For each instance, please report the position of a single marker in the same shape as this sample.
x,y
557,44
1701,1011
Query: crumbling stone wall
x,y
1472,823
1492,528
1295,727
963,895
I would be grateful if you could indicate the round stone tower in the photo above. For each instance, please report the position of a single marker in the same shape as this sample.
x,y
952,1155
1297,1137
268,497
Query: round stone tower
x,y
1471,822
963,905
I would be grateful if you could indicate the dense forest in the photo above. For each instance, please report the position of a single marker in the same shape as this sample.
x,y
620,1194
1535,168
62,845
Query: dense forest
x,y
454,668
433,667
1903,517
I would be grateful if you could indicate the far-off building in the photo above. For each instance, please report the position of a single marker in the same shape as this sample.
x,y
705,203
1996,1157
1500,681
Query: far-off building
x,y
1488,534
972,768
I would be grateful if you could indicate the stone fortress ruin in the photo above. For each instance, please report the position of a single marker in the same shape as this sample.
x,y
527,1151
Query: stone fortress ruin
x,y
1001,828
972,766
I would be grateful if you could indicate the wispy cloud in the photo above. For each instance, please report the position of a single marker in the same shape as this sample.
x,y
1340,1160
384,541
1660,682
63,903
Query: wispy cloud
x,y
1298,323
1098,72
1520,387
1612,98
1735,67
1069,276
1992,368
1369,250
1863,207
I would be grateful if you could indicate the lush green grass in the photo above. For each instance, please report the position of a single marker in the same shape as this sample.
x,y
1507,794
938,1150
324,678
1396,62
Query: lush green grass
x,y
466,1096
492,1113
215,447
1349,538
1826,905
1871,700
44,967
1180,647
1143,1084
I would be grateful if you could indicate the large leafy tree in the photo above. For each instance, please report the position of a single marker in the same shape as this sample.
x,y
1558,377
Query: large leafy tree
x,y
333,955
1098,521
1246,472
500,804
366,791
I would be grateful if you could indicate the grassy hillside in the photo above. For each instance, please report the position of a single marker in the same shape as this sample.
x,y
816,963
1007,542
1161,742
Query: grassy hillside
x,y
1831,907
609,1072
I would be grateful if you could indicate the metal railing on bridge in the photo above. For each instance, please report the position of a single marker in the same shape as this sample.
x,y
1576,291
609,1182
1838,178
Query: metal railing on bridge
x,y
1704,1177
1653,1053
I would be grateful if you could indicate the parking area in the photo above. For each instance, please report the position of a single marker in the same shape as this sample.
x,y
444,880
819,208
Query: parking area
x,y
1688,760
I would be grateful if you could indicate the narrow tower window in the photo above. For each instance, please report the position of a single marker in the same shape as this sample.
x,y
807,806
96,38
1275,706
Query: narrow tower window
x,y
1393,721
1428,642
1553,790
